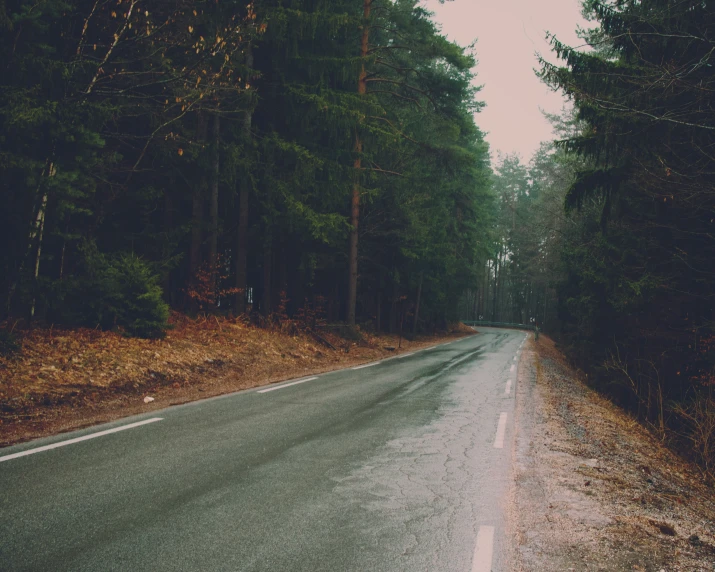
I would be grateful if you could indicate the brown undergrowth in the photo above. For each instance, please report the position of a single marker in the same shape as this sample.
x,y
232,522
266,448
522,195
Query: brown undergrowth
x,y
594,490
66,379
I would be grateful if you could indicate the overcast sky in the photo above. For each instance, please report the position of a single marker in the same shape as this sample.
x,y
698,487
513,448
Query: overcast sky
x,y
508,32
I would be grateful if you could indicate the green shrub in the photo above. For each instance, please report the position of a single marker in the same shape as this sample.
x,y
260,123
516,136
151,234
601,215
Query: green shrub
x,y
136,301
112,291
8,343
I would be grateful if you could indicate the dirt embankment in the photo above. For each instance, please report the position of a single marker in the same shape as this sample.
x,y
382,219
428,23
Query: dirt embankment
x,y
66,379
593,490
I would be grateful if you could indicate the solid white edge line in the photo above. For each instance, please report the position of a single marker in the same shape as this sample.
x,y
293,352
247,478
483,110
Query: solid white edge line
x,y
366,365
501,429
507,391
512,367
405,355
482,559
79,439
286,385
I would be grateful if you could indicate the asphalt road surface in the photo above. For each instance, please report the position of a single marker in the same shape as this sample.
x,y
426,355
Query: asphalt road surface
x,y
398,465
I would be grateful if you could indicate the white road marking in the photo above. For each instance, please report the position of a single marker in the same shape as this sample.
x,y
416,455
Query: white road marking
x,y
501,429
366,365
482,560
79,439
286,385
406,355
460,359
514,358
507,391
512,367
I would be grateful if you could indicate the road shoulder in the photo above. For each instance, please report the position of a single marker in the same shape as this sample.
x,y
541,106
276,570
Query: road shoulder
x,y
71,379
591,488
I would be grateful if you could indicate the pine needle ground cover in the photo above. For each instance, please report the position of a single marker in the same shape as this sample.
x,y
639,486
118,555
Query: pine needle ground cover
x,y
593,489
60,380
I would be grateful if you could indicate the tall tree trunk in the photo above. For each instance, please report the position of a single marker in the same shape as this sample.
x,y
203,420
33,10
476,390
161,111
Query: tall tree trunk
x,y
168,226
417,304
267,268
38,232
242,235
39,220
355,202
213,206
379,311
197,210
393,307
496,288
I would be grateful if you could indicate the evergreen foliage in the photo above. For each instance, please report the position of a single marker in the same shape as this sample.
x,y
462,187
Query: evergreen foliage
x,y
233,136
636,287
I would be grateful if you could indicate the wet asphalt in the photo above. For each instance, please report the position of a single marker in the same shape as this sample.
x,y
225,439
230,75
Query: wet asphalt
x,y
385,468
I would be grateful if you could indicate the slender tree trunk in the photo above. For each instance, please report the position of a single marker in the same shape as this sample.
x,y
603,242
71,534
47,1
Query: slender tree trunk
x,y
267,267
475,303
38,231
496,288
168,226
417,304
35,225
355,202
197,211
213,206
242,235
197,215
379,310
393,307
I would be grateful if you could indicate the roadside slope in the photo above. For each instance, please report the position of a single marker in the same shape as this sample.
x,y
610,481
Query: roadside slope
x,y
592,489
68,379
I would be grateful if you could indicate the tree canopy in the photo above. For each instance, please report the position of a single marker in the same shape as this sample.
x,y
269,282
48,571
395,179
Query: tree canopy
x,y
237,157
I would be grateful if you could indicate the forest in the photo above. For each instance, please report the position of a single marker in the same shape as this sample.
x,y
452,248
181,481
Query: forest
x,y
309,157
237,157
607,237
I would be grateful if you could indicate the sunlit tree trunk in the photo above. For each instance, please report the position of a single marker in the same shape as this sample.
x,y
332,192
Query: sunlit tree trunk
x,y
355,202
37,233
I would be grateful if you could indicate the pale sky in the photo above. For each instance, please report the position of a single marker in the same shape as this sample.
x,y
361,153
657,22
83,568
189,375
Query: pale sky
x,y
508,32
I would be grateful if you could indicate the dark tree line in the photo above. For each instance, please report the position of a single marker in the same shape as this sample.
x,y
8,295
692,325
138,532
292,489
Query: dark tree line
x,y
637,281
624,276
236,157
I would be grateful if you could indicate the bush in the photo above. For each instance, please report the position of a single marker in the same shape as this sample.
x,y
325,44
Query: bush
x,y
8,343
119,291
137,303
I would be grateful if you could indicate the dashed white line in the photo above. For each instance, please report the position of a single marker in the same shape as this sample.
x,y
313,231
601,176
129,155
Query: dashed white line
x,y
79,439
366,365
482,560
512,367
507,391
286,385
501,429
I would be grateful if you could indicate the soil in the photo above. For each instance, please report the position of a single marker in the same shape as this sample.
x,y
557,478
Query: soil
x,y
593,489
61,380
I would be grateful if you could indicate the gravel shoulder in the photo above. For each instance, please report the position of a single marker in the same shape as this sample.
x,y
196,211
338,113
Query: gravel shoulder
x,y
594,490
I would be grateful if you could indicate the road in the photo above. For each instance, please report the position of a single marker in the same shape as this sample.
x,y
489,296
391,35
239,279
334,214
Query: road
x,y
400,465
